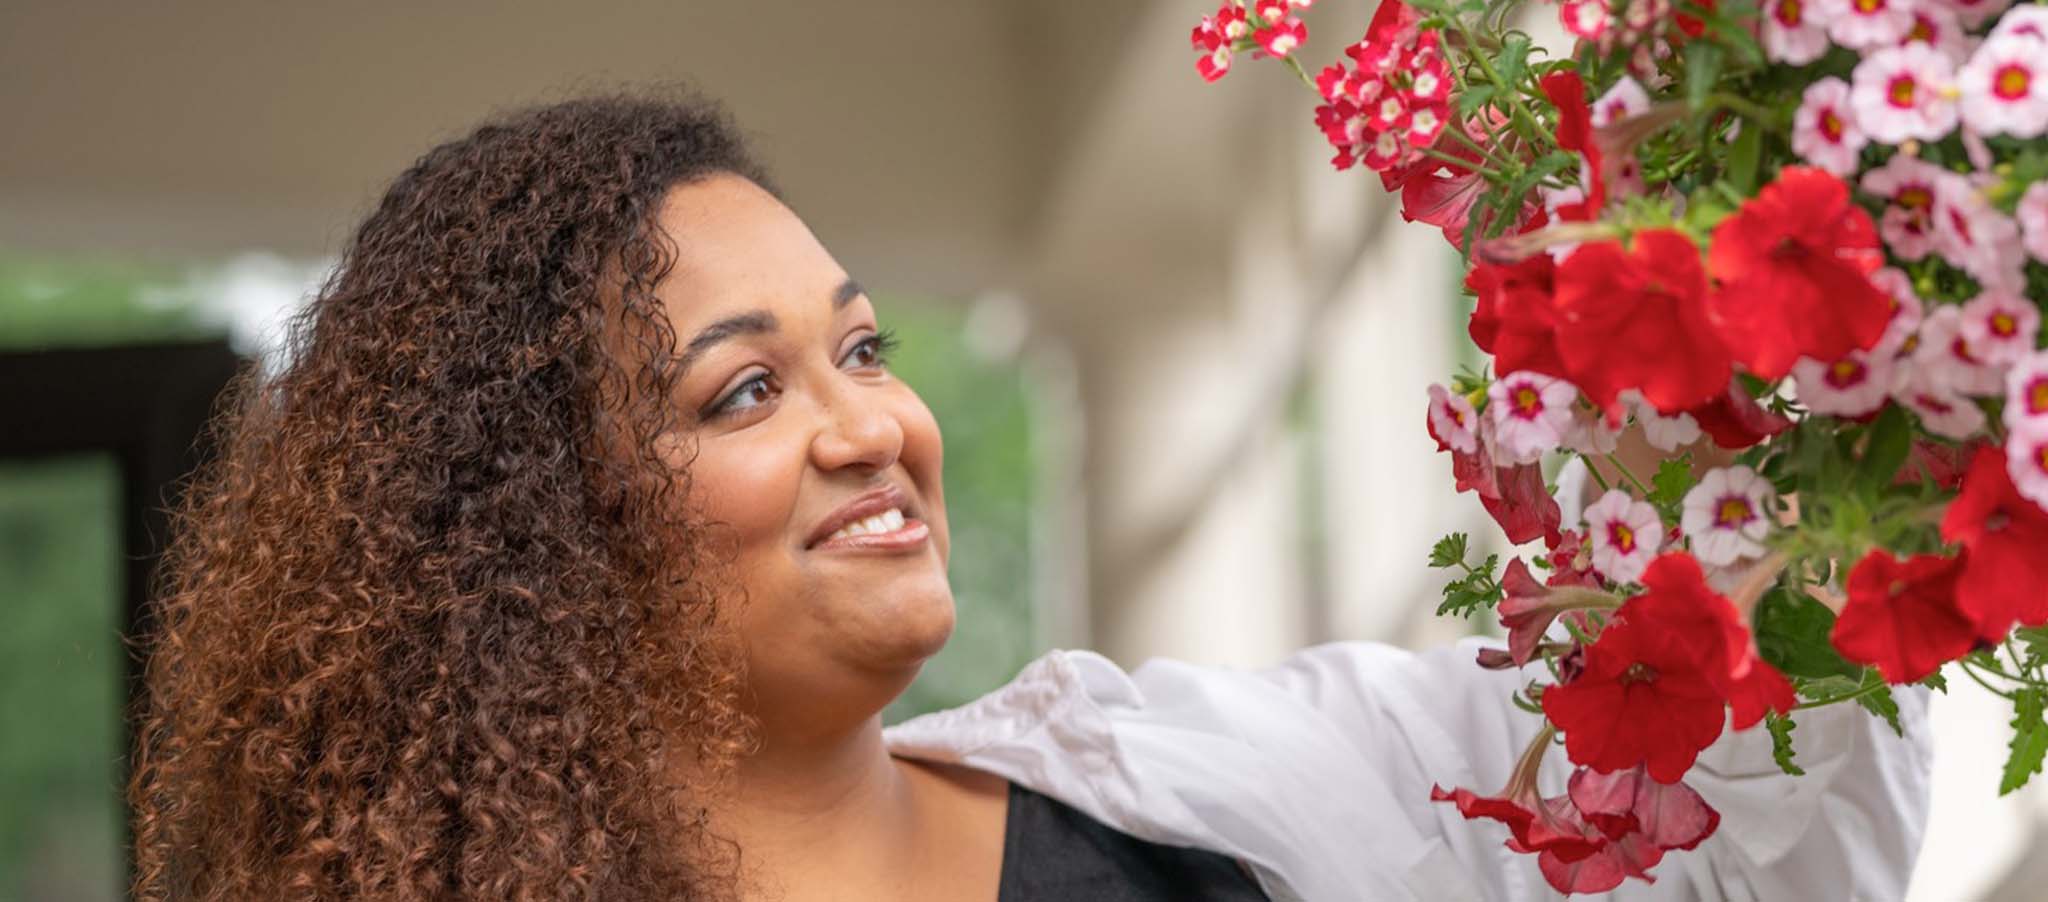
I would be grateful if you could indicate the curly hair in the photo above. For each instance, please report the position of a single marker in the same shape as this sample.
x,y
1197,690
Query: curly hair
x,y
434,623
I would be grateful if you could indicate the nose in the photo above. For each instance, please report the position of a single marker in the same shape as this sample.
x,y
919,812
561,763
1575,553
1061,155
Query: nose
x,y
858,429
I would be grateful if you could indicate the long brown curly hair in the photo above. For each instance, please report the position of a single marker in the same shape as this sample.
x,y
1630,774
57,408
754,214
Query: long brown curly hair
x,y
435,623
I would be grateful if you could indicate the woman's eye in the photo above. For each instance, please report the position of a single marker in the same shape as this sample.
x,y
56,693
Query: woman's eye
x,y
874,349
755,390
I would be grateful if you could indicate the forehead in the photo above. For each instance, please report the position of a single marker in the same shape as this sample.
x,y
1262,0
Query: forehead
x,y
738,248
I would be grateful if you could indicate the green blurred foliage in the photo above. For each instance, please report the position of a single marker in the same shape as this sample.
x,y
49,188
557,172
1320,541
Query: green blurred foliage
x,y
60,680
50,304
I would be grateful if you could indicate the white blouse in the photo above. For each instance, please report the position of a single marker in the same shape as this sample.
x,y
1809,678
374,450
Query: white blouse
x,y
1317,773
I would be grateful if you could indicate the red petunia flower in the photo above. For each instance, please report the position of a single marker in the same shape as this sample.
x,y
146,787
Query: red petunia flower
x,y
1534,826
2005,573
1680,602
1515,318
1794,266
1645,697
1902,616
1638,319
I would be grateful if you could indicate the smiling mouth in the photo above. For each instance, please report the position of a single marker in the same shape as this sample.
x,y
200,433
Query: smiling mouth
x,y
890,530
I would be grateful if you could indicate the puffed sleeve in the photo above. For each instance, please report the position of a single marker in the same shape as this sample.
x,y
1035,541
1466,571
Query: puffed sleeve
x,y
1849,829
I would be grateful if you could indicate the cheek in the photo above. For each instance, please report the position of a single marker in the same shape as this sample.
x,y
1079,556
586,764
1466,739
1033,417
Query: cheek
x,y
924,456
749,484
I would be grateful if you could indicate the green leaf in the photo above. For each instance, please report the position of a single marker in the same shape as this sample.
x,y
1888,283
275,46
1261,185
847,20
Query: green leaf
x,y
1449,551
1702,70
1792,634
1473,592
1743,156
1512,62
1781,728
1473,99
1673,480
1936,682
1879,701
1891,439
2029,740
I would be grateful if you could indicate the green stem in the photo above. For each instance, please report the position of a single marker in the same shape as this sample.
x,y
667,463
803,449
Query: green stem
x,y
1972,672
1459,135
1632,480
1594,472
1490,173
1845,697
1302,73
1761,115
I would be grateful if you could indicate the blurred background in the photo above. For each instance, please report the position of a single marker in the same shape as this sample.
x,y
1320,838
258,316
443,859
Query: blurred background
x,y
1178,360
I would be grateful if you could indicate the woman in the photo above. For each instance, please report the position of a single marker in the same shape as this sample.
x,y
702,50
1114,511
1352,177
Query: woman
x,y
579,546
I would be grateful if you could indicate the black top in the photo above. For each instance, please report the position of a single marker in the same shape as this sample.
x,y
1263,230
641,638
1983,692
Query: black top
x,y
1054,853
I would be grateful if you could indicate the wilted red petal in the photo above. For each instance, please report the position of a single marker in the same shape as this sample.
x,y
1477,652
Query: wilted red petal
x,y
1902,616
1631,856
1525,611
1735,420
1668,815
1523,508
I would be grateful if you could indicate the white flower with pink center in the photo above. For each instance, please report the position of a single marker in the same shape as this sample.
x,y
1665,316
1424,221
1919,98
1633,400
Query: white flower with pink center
x,y
1909,186
2026,394
2003,88
2000,327
1900,93
1452,421
1530,413
1971,233
1863,24
1824,132
1625,99
2030,20
1945,359
2033,219
2026,460
1906,310
1625,534
1665,433
1793,32
1940,409
1726,516
1937,27
1850,387
1590,433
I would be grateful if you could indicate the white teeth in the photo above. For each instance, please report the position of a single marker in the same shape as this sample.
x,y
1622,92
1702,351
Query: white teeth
x,y
886,521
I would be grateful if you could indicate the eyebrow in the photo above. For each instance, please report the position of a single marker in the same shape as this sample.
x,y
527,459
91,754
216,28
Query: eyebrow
x,y
752,322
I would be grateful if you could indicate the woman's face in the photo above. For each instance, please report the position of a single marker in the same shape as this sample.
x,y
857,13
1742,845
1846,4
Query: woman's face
x,y
794,416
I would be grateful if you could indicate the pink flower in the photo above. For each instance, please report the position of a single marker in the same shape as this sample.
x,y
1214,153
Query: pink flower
x,y
1625,534
1625,99
2026,461
1665,433
2003,91
1793,32
1941,410
1866,23
2033,219
1590,433
2030,20
1972,234
1531,413
1948,362
1906,310
1586,20
1937,27
1726,515
1824,132
2026,394
1903,92
2000,327
1853,386
1909,186
1452,421
1975,13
